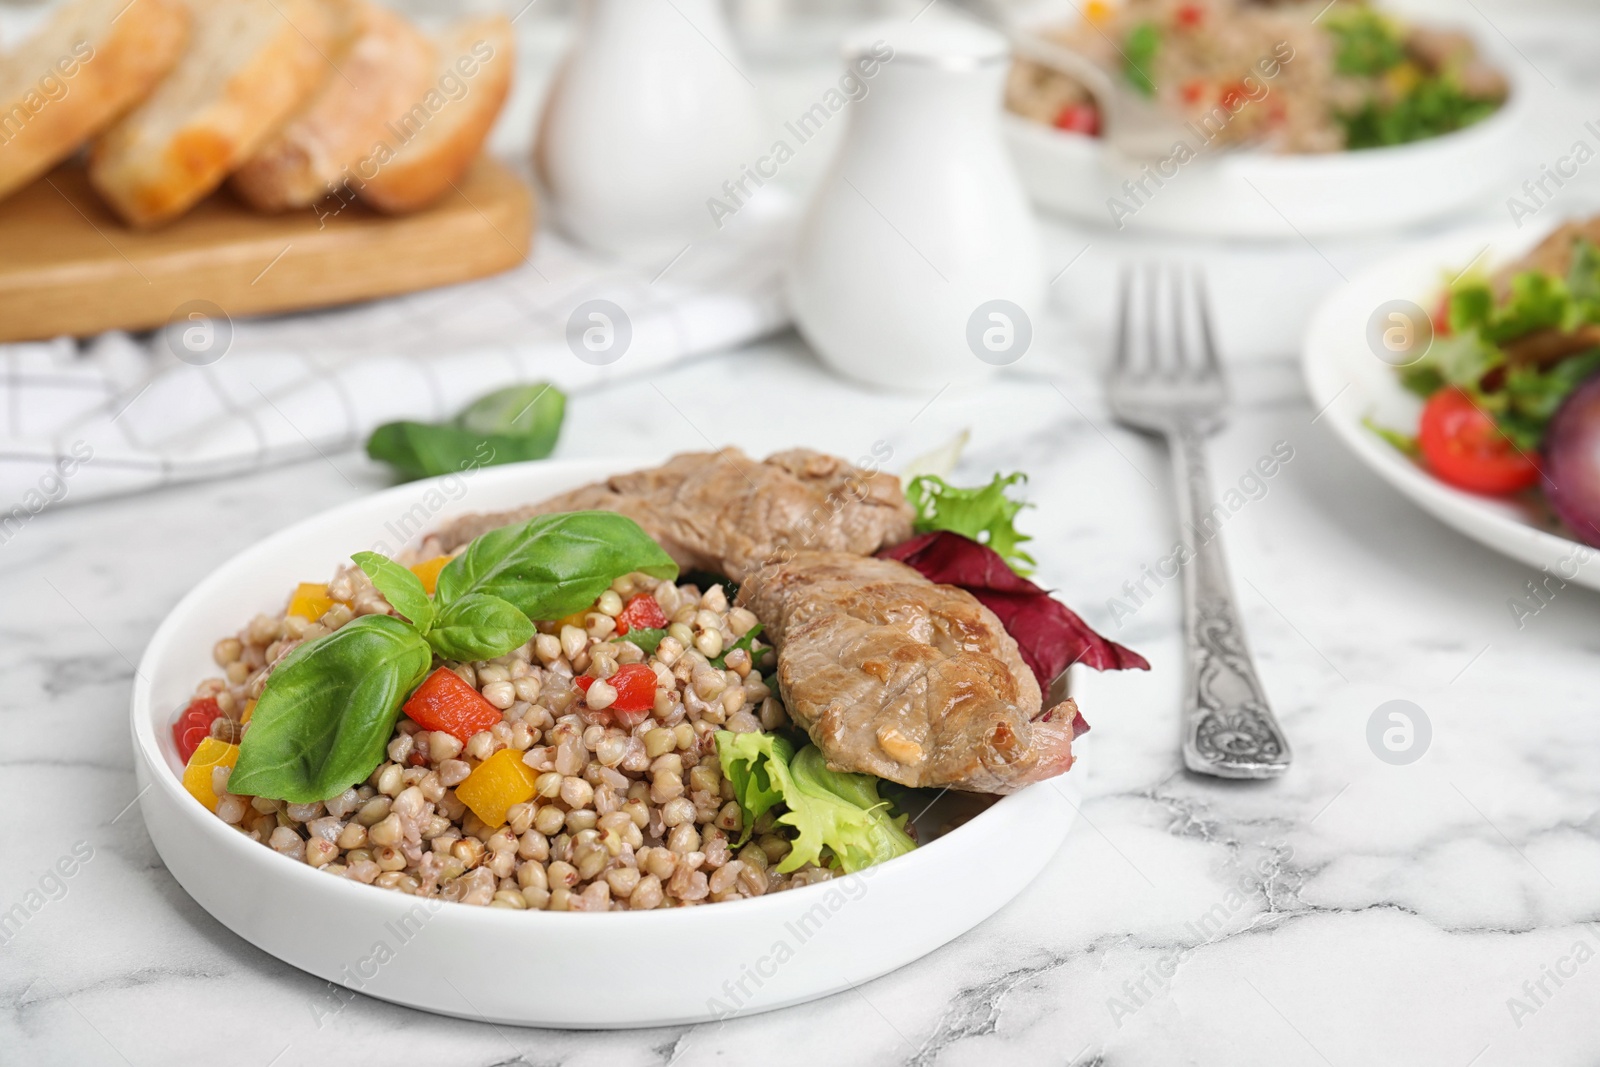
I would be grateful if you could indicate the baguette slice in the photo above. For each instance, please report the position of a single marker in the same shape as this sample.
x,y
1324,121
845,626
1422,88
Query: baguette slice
x,y
92,61
388,67
249,66
430,147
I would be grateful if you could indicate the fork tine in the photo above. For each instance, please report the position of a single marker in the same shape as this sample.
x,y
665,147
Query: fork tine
x,y
1154,357
1182,350
1124,321
1208,341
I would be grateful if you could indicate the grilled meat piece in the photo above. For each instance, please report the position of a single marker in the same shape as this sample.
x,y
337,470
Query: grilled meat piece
x,y
1553,255
727,513
896,676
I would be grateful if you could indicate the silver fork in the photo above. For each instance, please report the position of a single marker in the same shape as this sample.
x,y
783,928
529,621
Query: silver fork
x,y
1171,384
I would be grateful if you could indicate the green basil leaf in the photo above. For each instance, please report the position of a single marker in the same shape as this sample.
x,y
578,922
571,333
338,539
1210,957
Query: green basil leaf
x,y
328,710
745,642
479,626
511,425
418,450
532,411
648,638
554,565
1139,55
402,589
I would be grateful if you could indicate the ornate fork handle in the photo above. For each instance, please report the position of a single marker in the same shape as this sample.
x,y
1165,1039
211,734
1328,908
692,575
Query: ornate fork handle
x,y
1228,729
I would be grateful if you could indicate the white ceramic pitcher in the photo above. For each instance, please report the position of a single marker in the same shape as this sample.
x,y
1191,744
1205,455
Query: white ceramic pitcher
x,y
649,114
917,263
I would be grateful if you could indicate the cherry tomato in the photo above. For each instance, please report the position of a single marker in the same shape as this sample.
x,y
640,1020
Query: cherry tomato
x,y
1463,446
445,702
1190,15
194,725
641,613
1079,118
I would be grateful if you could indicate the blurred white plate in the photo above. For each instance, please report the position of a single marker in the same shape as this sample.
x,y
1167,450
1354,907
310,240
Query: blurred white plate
x,y
1254,194
1347,383
581,971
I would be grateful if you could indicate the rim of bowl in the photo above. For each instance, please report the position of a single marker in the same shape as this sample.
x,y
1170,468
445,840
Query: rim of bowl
x,y
215,834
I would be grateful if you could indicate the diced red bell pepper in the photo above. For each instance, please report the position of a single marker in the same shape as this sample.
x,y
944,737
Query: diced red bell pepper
x,y
194,725
1079,118
1189,15
641,613
445,702
635,684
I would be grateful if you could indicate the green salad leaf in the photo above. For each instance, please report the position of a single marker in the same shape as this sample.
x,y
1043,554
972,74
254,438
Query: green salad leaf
x,y
984,514
648,638
1434,106
1365,42
1530,396
553,565
324,719
1139,56
401,588
1402,442
479,626
757,766
832,810
1583,278
747,642
511,425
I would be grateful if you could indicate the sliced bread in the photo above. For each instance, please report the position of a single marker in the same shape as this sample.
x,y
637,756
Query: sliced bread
x,y
89,63
388,66
431,145
250,64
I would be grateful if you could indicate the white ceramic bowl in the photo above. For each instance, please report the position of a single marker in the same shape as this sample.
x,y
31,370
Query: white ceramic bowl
x,y
613,970
1253,194
1344,377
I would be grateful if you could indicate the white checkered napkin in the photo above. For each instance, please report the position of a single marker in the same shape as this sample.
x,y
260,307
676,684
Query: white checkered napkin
x,y
295,386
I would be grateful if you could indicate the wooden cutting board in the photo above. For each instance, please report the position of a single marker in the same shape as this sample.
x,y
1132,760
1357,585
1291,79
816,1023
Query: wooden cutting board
x,y
69,266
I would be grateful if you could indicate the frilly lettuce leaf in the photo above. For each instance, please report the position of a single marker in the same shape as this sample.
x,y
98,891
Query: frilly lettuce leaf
x,y
984,514
830,809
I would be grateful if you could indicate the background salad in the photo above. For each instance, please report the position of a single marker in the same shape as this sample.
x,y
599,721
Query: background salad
x,y
1512,398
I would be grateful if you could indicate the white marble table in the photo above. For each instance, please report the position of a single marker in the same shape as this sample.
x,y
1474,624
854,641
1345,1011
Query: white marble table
x,y
1353,913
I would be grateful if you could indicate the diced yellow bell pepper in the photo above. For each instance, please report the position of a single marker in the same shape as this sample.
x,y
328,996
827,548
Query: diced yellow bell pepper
x,y
580,619
497,784
310,601
428,571
249,710
1401,79
1097,12
197,775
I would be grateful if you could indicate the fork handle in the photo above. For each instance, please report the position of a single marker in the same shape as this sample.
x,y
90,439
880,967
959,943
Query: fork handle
x,y
1228,729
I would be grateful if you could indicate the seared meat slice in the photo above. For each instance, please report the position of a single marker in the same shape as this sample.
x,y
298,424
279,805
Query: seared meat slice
x,y
895,676
727,513
1553,255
